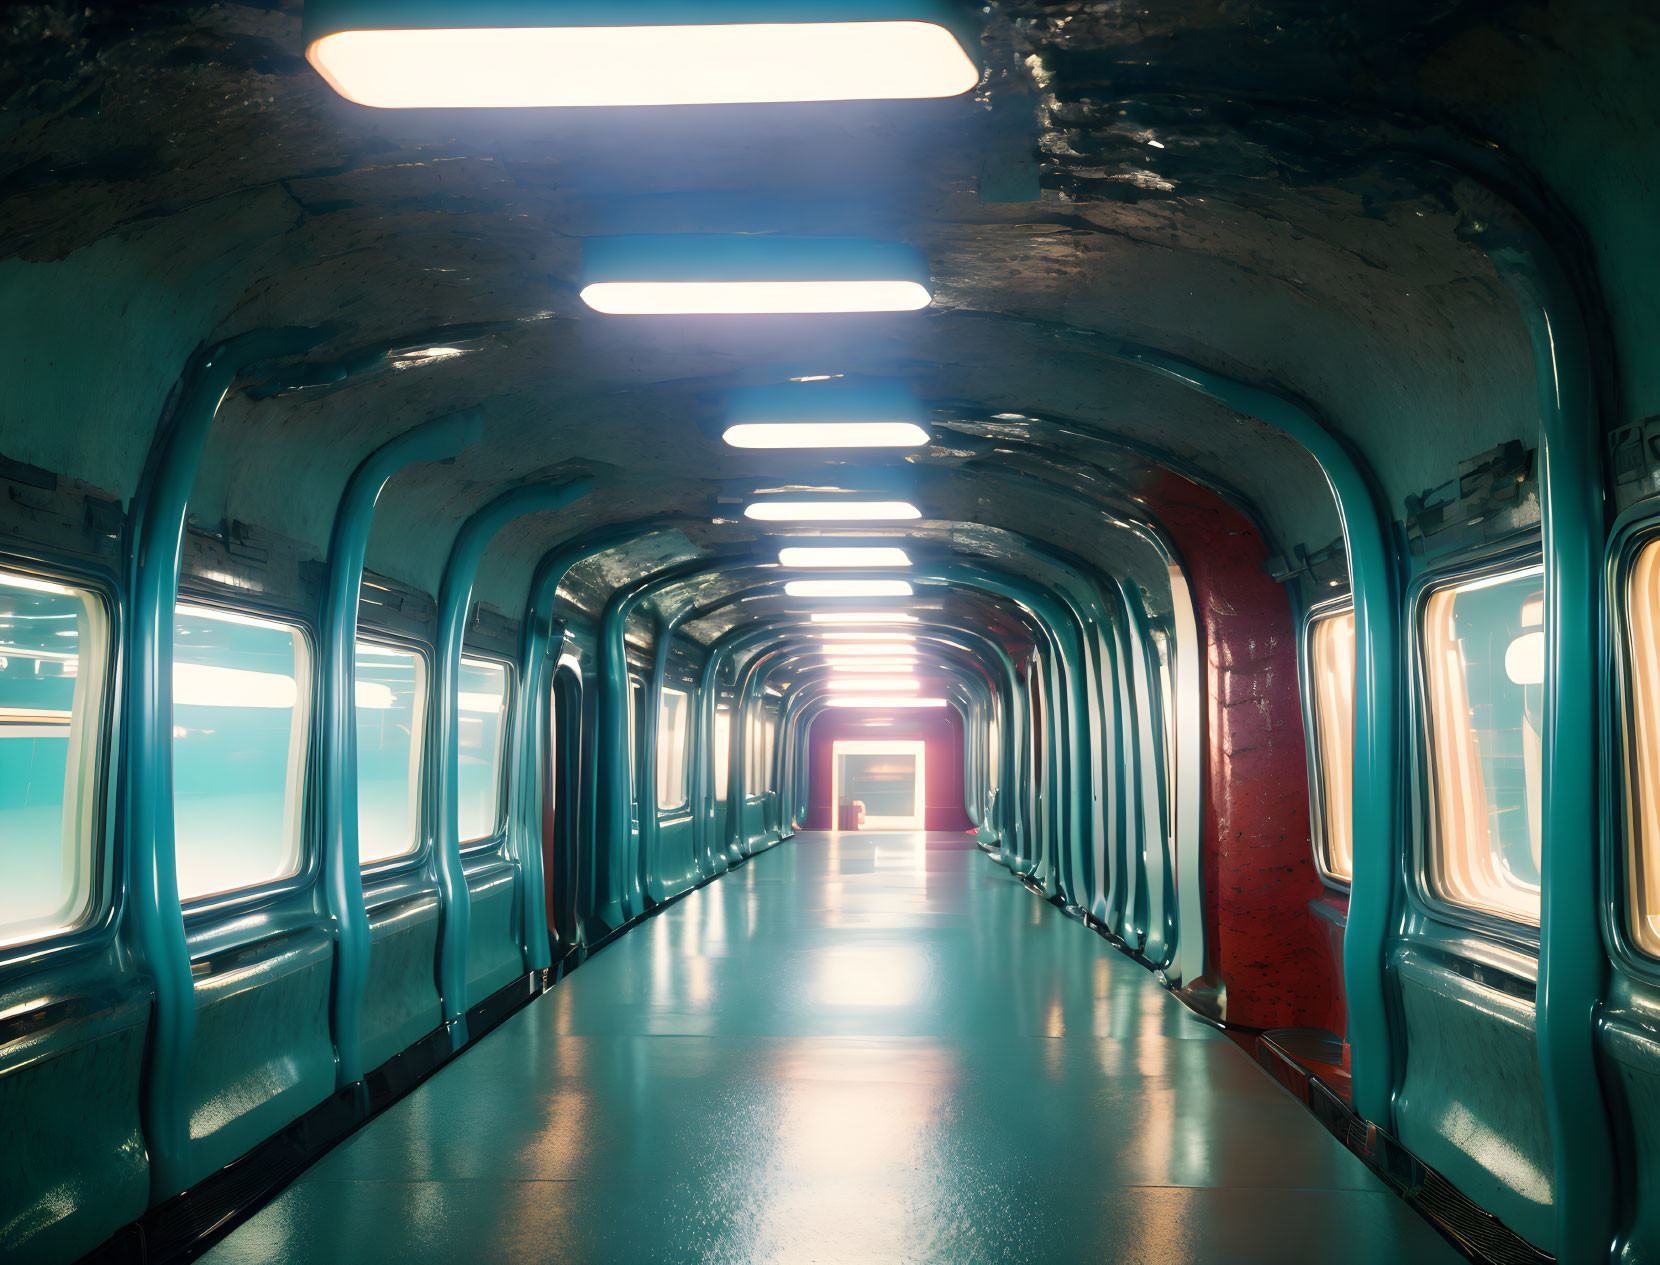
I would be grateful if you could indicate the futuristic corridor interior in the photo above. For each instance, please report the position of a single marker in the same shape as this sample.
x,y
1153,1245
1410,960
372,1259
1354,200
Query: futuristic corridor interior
x,y
817,631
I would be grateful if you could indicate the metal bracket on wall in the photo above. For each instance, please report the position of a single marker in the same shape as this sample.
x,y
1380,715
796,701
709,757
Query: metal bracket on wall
x,y
1495,493
1634,462
1326,568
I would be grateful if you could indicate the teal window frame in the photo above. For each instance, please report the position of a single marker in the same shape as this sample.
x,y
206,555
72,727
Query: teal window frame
x,y
197,908
1507,558
104,911
504,760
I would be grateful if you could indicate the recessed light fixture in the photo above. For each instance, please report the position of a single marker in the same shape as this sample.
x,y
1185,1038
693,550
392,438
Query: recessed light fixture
x,y
831,511
861,617
867,685
843,556
871,665
715,275
826,435
419,54
881,702
828,414
848,588
872,649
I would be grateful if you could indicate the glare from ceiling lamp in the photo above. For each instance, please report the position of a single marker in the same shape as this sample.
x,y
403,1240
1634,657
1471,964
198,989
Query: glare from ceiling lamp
x,y
871,665
861,617
848,588
412,54
873,649
831,511
881,702
843,556
735,275
867,685
839,413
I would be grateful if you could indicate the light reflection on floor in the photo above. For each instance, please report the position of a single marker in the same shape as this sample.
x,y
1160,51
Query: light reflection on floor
x,y
861,1047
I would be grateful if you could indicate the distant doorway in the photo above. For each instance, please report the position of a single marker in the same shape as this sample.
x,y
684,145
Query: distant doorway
x,y
887,778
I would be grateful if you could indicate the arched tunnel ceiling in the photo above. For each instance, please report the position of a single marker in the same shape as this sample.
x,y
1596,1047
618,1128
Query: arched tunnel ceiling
x,y
1256,187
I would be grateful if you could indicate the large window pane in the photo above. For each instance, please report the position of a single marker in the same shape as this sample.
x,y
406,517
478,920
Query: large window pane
x,y
672,789
53,649
1643,754
1331,672
483,709
723,750
1483,662
391,706
241,706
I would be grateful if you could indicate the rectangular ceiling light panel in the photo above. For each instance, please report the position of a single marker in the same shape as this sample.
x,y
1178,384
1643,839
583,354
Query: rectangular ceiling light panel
x,y
860,617
403,54
879,702
848,588
874,684
832,413
831,511
741,274
847,556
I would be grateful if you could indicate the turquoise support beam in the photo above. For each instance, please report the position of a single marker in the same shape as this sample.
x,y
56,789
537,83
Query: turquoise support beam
x,y
455,597
154,924
337,791
1573,965
533,716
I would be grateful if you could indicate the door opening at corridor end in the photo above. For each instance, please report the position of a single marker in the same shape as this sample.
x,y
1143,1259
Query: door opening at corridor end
x,y
885,777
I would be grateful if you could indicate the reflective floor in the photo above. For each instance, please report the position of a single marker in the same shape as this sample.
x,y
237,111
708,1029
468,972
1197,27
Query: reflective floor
x,y
858,1047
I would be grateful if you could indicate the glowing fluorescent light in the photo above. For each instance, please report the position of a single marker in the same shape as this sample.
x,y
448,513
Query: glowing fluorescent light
x,y
847,588
881,702
373,696
1524,659
681,275
753,298
861,617
890,635
873,649
845,413
831,511
207,685
824,556
825,435
479,703
865,685
402,56
14,581
874,665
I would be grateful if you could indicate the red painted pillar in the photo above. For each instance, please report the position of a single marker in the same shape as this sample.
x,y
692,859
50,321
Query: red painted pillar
x,y
1277,966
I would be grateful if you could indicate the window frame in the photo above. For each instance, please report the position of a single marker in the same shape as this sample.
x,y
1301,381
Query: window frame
x,y
390,640
471,848
1328,609
689,692
108,886
1514,558
198,908
1633,530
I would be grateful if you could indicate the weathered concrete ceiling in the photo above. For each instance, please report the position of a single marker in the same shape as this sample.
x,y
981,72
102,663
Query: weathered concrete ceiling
x,y
1262,188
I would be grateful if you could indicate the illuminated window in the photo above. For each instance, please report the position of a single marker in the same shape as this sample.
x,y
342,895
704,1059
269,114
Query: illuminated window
x,y
1643,747
483,713
241,715
391,709
672,789
1331,684
54,644
994,753
1483,647
723,750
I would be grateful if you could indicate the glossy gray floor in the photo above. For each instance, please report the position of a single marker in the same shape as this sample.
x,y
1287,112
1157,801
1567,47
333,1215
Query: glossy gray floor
x,y
858,1047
